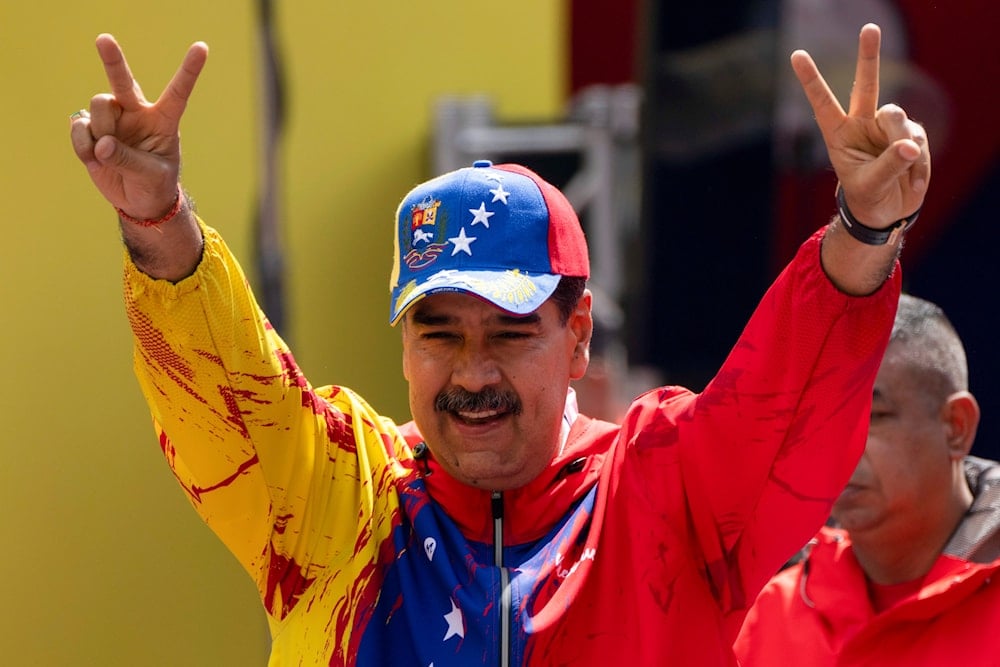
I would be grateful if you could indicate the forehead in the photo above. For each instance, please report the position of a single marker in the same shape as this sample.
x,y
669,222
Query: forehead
x,y
461,307
895,368
900,378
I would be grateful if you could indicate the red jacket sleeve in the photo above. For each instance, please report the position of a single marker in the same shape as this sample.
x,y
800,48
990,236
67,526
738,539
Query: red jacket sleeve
x,y
766,448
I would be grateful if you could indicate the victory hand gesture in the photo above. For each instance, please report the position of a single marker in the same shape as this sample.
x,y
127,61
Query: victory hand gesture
x,y
880,156
884,165
130,146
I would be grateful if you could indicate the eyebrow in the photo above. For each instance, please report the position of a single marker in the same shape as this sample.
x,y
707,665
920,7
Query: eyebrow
x,y
426,317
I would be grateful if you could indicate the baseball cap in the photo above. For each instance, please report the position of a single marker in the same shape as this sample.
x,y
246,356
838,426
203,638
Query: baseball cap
x,y
499,232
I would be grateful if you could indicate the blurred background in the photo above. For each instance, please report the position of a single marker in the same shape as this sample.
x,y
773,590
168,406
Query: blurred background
x,y
677,131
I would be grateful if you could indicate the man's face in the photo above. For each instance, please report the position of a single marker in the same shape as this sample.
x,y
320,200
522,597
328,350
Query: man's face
x,y
905,472
488,389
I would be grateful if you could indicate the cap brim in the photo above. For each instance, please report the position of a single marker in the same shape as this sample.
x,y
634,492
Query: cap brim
x,y
516,292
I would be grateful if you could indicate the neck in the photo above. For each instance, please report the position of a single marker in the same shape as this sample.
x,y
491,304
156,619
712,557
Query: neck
x,y
908,548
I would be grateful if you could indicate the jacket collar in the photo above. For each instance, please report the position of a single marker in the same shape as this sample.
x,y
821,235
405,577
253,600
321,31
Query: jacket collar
x,y
532,510
833,583
977,538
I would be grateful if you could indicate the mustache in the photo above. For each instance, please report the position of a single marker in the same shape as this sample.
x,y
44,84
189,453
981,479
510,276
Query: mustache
x,y
460,400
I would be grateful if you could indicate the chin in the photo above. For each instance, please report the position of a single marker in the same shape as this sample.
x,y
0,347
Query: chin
x,y
494,478
854,521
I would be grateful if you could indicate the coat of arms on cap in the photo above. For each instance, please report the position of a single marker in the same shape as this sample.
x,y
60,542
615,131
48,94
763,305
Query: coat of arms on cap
x,y
423,230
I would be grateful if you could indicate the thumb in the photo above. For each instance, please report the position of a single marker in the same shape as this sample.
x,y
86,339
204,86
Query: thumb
x,y
907,150
113,154
148,182
915,159
131,163
895,161
907,161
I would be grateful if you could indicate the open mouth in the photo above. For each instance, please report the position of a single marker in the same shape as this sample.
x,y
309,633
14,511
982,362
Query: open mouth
x,y
477,417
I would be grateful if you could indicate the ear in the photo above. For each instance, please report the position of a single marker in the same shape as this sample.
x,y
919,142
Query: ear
x,y
581,326
961,414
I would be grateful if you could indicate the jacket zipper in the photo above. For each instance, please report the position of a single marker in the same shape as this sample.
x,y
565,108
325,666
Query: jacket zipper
x,y
497,506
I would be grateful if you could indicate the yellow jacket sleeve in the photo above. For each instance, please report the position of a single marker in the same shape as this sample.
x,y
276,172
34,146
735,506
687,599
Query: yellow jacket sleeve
x,y
294,480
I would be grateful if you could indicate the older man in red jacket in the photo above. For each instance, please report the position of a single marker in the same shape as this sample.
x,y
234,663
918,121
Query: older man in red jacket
x,y
909,577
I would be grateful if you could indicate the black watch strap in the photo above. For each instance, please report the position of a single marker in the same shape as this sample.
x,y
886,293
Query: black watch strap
x,y
870,235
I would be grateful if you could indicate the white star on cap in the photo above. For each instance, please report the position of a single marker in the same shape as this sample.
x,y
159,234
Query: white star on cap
x,y
499,194
455,625
462,243
481,215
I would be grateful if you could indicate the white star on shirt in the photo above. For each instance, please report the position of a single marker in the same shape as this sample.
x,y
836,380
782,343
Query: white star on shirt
x,y
455,625
462,243
481,214
499,194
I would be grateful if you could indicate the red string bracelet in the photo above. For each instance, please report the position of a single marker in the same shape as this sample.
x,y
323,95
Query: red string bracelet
x,y
174,210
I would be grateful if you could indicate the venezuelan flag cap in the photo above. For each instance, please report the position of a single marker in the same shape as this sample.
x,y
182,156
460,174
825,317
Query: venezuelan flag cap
x,y
499,232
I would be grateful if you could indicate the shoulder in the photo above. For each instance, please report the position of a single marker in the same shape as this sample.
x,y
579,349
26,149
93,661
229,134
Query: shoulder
x,y
662,403
983,475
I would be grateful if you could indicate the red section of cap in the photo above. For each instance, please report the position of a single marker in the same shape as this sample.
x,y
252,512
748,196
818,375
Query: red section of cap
x,y
568,253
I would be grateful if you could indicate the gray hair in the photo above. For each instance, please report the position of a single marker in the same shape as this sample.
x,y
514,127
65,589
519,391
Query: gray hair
x,y
930,345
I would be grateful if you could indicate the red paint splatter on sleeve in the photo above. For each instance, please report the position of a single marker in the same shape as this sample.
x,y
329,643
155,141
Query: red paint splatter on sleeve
x,y
364,595
194,491
284,575
155,346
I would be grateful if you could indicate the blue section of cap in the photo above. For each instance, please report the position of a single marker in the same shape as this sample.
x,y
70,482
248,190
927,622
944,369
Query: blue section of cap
x,y
469,229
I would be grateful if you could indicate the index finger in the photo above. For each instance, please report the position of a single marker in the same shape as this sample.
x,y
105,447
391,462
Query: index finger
x,y
829,114
123,84
864,94
175,95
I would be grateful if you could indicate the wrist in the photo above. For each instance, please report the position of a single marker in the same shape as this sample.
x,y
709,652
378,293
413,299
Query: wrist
x,y
870,235
175,208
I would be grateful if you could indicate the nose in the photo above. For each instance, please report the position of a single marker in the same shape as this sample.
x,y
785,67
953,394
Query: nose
x,y
475,367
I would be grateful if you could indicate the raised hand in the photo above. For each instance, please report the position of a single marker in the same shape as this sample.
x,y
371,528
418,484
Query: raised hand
x,y
880,156
131,146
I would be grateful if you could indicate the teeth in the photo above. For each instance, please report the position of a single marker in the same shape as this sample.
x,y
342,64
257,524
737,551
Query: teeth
x,y
479,415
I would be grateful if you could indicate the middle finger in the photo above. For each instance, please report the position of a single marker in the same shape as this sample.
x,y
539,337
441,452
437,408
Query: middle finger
x,y
864,94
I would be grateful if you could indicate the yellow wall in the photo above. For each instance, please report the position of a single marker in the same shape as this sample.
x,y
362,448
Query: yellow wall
x,y
103,561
